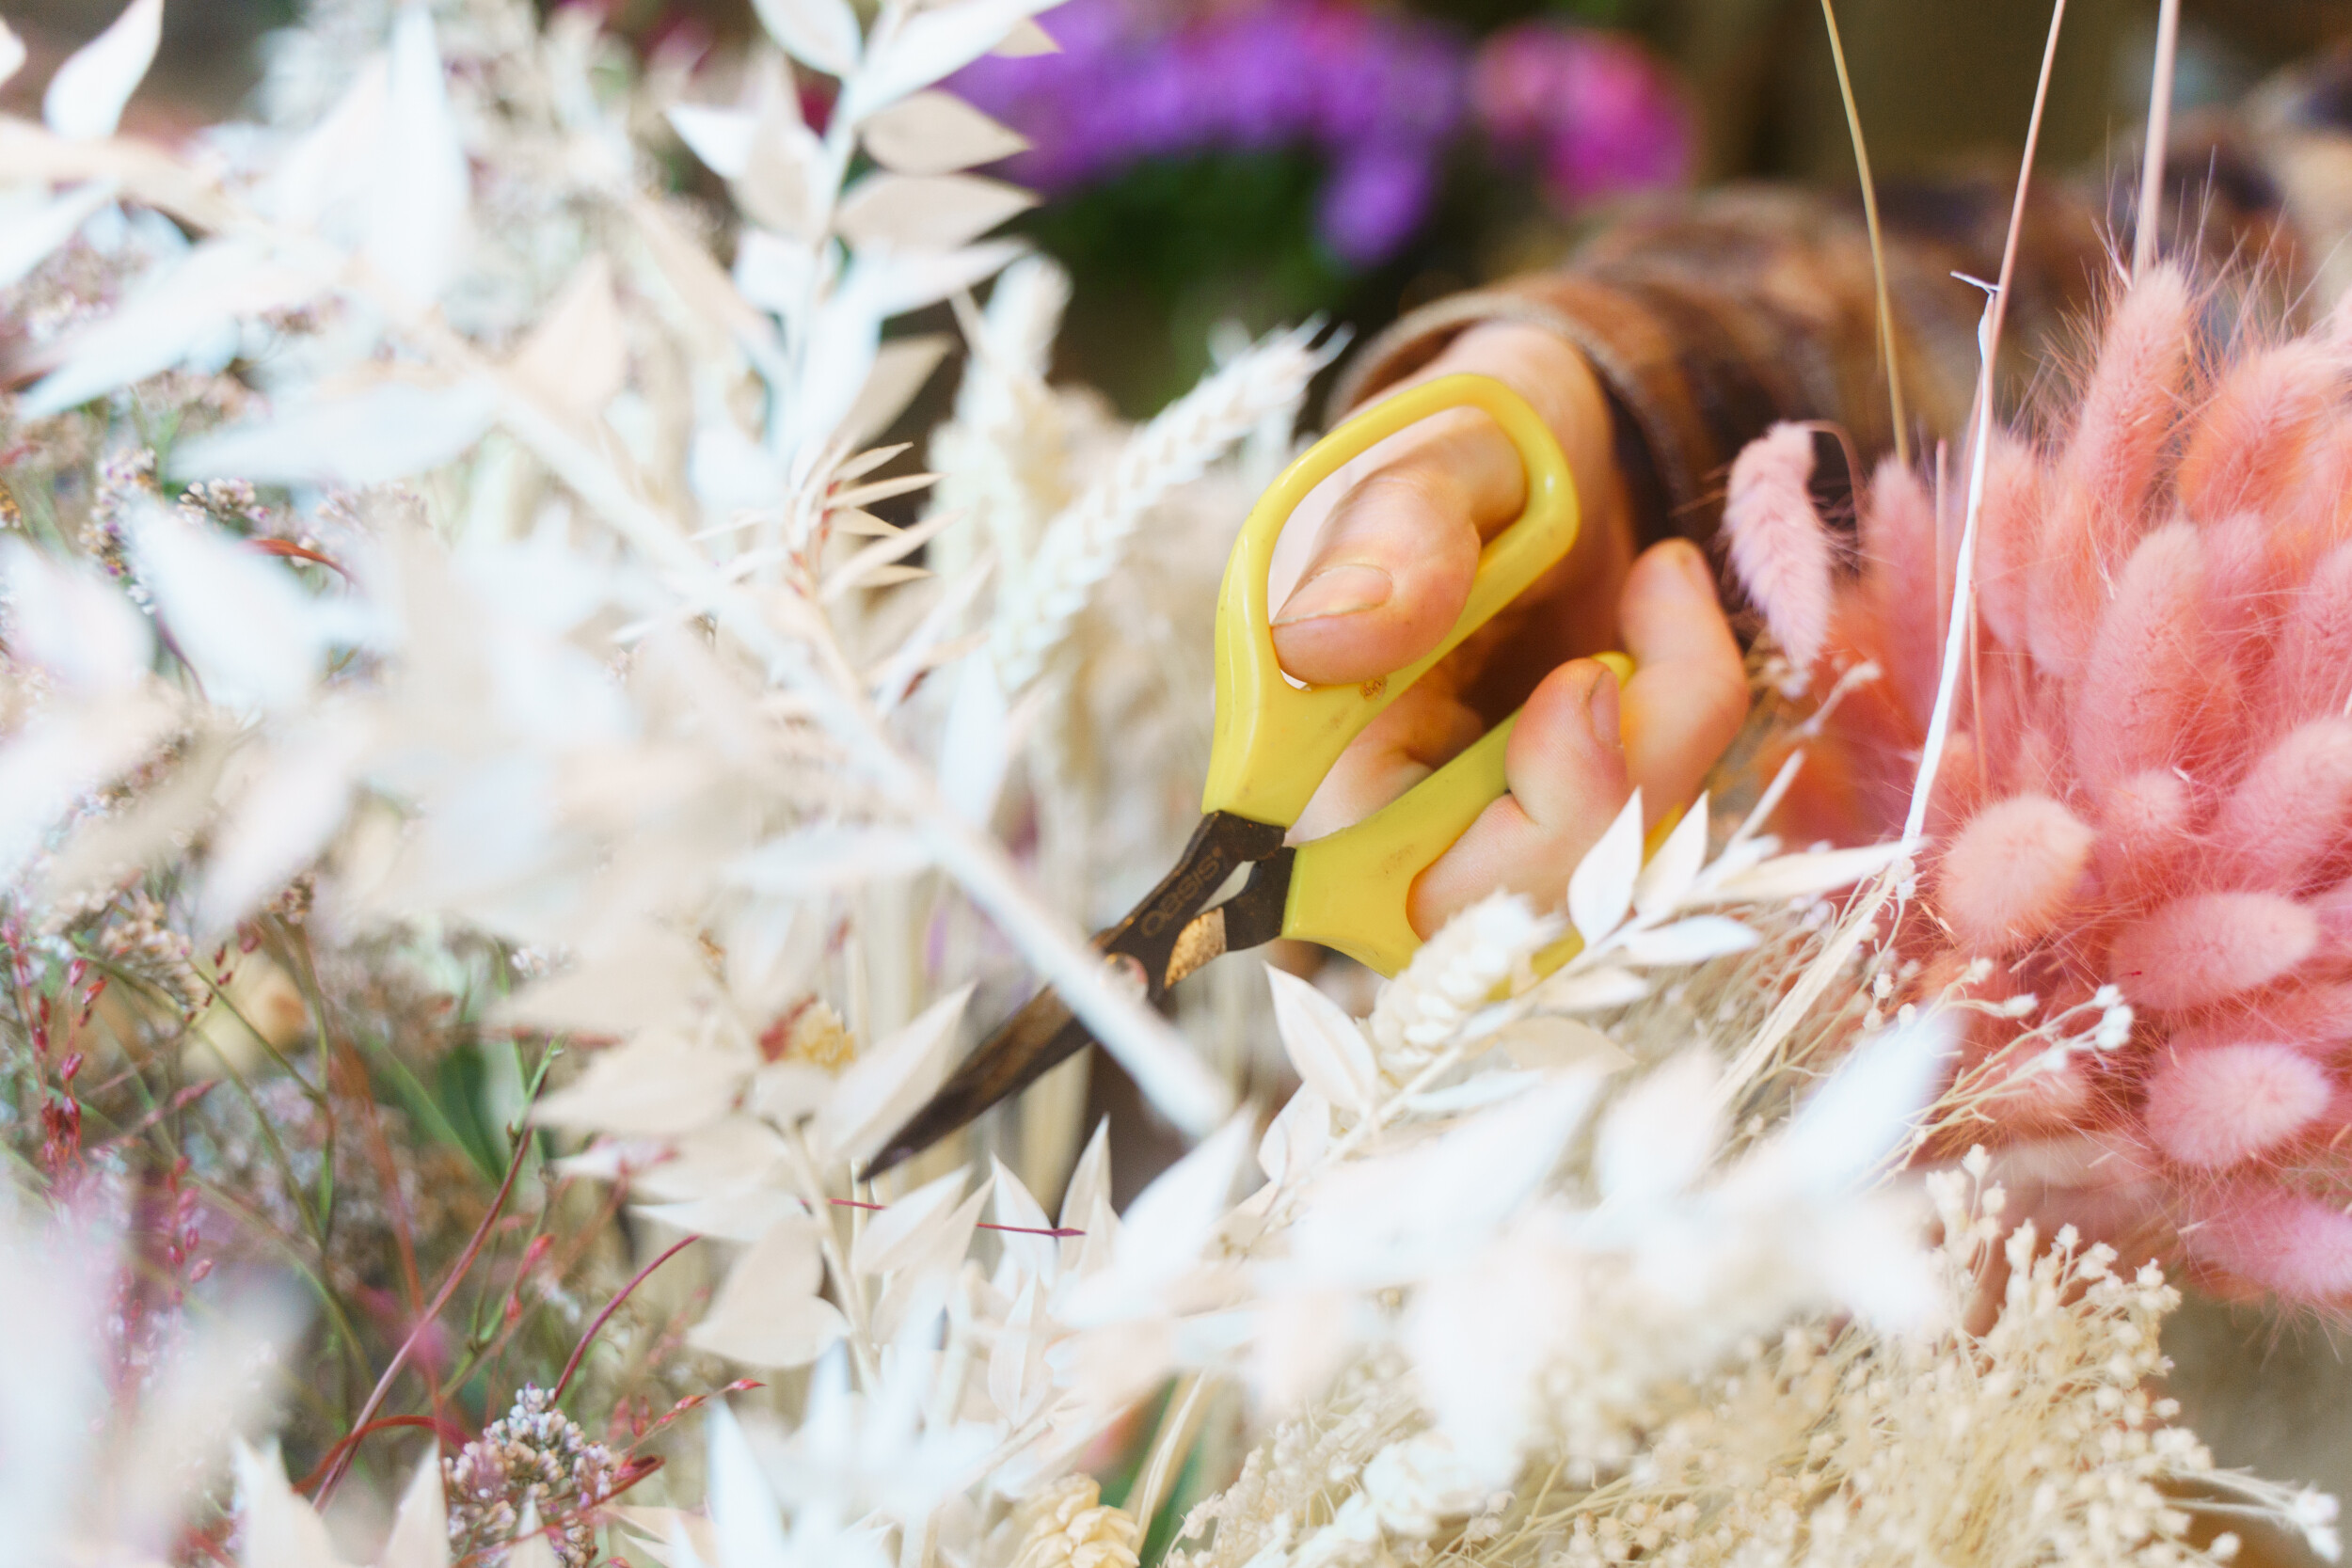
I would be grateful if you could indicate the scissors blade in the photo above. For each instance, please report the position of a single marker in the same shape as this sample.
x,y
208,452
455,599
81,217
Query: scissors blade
x,y
1166,938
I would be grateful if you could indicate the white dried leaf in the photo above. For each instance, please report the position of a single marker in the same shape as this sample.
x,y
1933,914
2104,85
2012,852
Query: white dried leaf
x,y
1473,1093
1017,1381
1671,871
531,1548
784,171
169,316
1601,889
240,620
1027,1249
71,621
920,1285
85,98
1805,876
322,181
654,1086
417,208
938,211
820,33
1855,1121
419,1537
1592,991
1087,1193
740,1217
1298,1137
277,824
901,1233
1026,40
844,341
890,281
577,355
937,133
387,431
1560,1045
745,1520
768,1313
1171,1221
1660,1137
1687,941
277,1528
929,47
29,237
977,743
901,369
888,1082
50,763
721,139
1325,1046
816,860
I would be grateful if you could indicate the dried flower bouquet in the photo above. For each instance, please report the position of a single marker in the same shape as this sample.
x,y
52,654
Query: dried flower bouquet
x,y
506,793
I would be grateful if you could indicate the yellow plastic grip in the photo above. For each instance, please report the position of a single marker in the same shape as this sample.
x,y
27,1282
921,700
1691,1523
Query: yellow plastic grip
x,y
1273,741
1349,889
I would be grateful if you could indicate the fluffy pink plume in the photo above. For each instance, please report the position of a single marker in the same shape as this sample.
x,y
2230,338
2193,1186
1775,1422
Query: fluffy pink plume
x,y
2148,779
2290,812
2218,1107
2150,686
2255,440
2209,948
1779,547
2109,470
2011,872
2278,1239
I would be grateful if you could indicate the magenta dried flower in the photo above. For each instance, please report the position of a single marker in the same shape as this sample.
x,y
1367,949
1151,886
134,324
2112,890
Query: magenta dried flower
x,y
1598,113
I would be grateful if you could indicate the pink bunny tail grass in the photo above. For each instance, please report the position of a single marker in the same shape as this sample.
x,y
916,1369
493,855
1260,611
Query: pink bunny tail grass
x,y
1899,550
1780,550
2279,1240
2221,1106
2152,693
2008,539
2144,842
2148,782
2257,440
2011,873
2209,948
2131,400
2290,812
2108,475
2310,675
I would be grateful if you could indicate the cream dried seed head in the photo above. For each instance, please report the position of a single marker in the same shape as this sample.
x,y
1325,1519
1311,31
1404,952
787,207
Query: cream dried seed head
x,y
1069,1525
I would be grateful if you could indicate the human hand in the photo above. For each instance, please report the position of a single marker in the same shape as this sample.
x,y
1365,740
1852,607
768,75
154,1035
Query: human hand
x,y
1382,556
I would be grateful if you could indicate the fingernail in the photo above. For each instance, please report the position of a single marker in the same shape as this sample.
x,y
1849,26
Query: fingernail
x,y
1348,590
1601,704
1695,568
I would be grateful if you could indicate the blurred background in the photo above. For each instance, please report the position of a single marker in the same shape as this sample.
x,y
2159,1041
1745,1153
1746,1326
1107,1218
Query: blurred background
x,y
1265,160
1209,162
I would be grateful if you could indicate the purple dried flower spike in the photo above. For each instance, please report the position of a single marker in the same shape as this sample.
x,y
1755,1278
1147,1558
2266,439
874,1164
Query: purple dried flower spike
x,y
1380,96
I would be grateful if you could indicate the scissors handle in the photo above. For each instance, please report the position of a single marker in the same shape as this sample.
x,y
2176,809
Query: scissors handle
x,y
1275,741
1349,890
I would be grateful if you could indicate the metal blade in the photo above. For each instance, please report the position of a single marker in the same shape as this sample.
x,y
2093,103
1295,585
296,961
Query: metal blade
x,y
1039,1037
1166,938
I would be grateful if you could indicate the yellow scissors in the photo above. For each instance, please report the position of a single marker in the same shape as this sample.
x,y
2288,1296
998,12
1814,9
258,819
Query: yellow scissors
x,y
1273,743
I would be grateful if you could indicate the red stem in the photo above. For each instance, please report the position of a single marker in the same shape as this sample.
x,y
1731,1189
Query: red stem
x,y
453,1435
611,1307
440,1300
